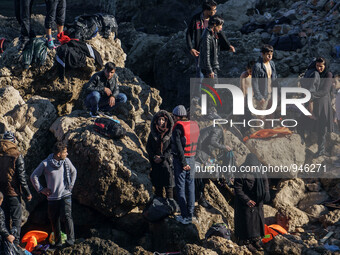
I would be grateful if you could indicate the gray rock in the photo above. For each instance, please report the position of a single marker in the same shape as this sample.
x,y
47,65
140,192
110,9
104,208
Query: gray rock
x,y
315,211
330,218
311,199
281,245
265,37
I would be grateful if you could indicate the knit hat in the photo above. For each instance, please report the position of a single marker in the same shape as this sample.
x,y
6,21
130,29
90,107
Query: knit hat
x,y
180,111
8,135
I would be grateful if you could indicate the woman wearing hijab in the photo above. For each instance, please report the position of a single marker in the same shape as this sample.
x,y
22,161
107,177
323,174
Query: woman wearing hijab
x,y
251,191
159,150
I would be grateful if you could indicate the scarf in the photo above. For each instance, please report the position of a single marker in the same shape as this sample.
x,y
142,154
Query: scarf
x,y
58,164
162,130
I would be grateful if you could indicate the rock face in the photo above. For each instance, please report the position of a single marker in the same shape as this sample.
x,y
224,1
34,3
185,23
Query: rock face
x,y
192,249
278,152
30,122
225,247
116,169
234,12
94,245
281,245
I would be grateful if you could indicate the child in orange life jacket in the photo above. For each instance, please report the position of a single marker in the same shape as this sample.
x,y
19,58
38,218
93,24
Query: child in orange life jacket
x,y
184,144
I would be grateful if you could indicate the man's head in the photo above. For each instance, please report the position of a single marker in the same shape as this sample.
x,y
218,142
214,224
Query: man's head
x,y
1,197
179,112
267,52
60,151
216,23
109,70
320,64
9,136
209,8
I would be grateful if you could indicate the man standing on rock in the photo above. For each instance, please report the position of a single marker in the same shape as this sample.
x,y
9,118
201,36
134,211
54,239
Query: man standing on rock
x,y
12,182
23,11
263,75
209,47
60,176
102,91
198,23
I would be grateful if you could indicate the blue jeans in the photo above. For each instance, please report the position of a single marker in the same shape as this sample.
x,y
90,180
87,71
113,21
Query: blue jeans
x,y
94,101
185,187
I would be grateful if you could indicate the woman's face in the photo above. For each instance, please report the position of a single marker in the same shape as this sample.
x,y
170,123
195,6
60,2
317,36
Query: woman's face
x,y
160,122
320,66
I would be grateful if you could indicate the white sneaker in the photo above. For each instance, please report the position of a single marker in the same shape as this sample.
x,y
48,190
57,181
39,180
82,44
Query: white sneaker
x,y
184,221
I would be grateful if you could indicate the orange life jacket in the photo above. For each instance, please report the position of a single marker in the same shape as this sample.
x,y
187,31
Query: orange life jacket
x,y
32,239
271,231
191,134
265,133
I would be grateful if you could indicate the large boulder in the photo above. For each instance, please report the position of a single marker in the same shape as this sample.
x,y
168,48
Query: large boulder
x,y
142,55
30,121
313,198
315,211
234,12
225,247
290,192
294,216
112,174
94,245
279,152
281,245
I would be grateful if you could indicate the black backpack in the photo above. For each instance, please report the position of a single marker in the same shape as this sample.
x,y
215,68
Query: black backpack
x,y
109,128
218,229
159,208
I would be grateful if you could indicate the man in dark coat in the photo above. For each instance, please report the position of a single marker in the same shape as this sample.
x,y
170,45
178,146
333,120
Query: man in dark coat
x,y
13,181
102,91
23,11
250,192
209,47
159,149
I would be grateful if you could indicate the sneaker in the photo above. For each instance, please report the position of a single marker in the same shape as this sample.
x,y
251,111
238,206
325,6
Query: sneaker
x,y
50,44
94,115
184,221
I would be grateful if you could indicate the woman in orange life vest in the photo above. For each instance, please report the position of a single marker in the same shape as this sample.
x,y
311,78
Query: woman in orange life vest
x,y
184,144
159,150
250,192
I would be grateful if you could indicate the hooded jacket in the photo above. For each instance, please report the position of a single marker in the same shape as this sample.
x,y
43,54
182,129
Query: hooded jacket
x,y
12,170
161,174
60,178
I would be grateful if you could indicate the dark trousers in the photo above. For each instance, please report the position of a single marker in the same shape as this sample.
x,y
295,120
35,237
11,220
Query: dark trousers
x,y
55,11
168,190
23,11
13,211
61,210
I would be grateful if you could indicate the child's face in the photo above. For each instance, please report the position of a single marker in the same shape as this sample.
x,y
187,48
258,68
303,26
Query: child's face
x,y
249,71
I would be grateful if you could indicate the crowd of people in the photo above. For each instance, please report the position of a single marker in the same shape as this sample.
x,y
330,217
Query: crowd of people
x,y
175,142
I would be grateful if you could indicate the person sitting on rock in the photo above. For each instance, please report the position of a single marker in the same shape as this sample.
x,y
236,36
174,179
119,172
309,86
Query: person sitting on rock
x,y
4,234
13,183
102,91
159,149
60,176
251,191
184,144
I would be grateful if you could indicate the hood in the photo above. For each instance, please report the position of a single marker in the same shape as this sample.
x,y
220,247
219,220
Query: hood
x,y
154,132
9,148
55,164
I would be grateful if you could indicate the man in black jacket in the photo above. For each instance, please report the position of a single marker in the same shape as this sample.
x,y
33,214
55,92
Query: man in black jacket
x,y
209,46
198,23
4,234
12,180
102,91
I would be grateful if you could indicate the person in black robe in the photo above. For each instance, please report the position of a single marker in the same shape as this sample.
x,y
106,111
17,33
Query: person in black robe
x,y
159,149
251,191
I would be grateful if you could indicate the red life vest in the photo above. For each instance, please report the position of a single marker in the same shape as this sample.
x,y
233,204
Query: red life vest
x,y
191,134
